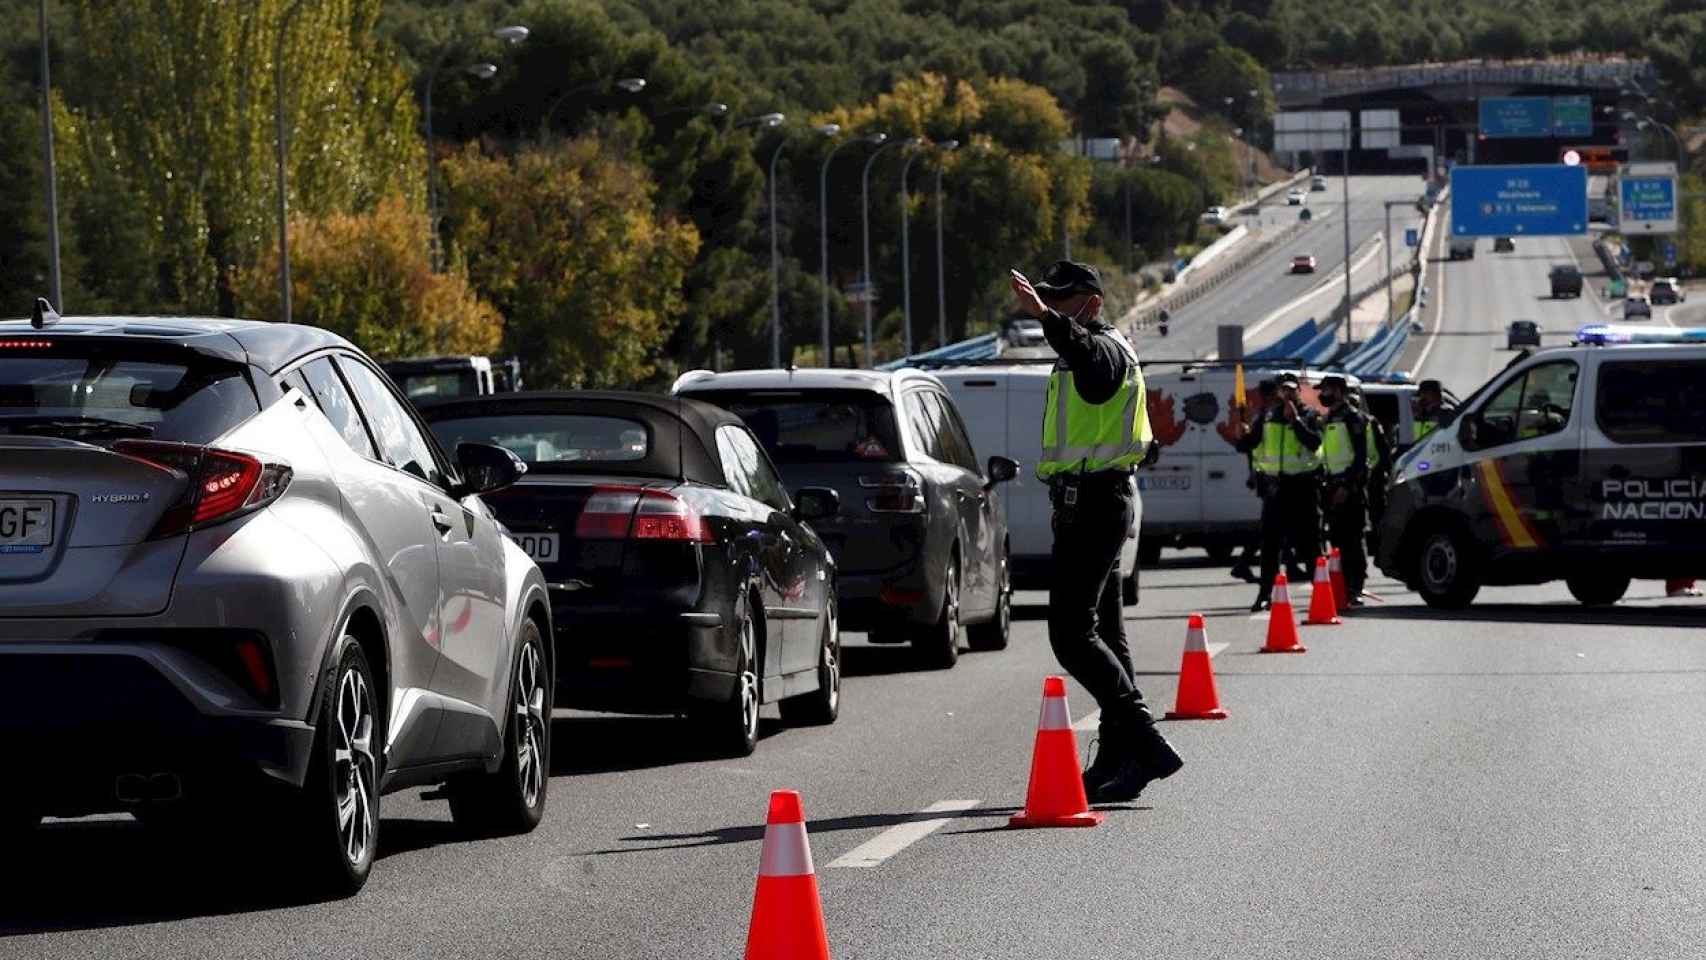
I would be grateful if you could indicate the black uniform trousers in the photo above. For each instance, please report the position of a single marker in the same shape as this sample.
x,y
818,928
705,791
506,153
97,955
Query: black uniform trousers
x,y
1291,518
1086,617
1346,524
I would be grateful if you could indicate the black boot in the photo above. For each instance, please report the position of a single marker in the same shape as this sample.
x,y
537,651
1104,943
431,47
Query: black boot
x,y
1151,758
1108,752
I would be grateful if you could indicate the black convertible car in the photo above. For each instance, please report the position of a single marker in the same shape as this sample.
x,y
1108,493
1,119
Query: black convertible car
x,y
683,577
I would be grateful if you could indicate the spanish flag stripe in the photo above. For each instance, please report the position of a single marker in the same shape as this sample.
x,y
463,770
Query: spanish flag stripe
x,y
1513,525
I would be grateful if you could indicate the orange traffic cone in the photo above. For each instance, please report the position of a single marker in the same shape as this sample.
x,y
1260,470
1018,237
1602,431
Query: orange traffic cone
x,y
1334,567
1322,612
1056,794
1198,698
787,916
1282,623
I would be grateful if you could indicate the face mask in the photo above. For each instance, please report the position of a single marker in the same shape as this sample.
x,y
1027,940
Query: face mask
x,y
1080,314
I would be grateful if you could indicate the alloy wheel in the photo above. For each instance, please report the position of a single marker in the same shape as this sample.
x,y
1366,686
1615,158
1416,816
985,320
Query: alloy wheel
x,y
531,720
354,773
748,679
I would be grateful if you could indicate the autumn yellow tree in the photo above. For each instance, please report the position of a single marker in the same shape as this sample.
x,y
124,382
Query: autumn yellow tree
x,y
369,277
564,239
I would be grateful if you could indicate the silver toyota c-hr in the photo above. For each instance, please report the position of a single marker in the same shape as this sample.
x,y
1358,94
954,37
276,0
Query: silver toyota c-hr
x,y
239,580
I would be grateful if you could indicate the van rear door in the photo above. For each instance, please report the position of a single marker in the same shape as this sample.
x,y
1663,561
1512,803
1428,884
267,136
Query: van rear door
x,y
1644,460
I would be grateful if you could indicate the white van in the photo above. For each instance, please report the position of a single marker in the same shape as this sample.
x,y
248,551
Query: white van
x,y
1199,493
1582,463
1002,406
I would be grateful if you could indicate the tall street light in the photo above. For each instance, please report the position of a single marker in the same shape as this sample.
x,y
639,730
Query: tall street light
x,y
828,130
865,220
941,270
906,260
483,71
281,145
49,169
770,121
629,85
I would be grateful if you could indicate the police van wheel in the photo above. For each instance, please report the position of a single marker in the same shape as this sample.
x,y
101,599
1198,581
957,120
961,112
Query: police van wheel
x,y
1597,590
1446,574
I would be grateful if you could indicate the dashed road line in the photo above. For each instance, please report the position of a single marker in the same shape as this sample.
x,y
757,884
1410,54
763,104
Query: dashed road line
x,y
884,845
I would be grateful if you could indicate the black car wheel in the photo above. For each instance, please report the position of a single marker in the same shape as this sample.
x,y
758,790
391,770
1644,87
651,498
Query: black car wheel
x,y
512,800
994,633
822,705
1597,590
1446,574
939,643
732,727
337,813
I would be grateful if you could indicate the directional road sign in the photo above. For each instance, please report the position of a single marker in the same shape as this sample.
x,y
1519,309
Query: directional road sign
x,y
1646,198
1516,116
1670,253
1546,200
1572,116
1412,237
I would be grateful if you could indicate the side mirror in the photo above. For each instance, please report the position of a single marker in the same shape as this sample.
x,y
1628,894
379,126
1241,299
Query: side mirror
x,y
1001,470
816,503
487,467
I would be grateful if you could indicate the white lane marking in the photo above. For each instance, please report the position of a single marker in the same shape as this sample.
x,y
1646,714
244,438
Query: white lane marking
x,y
897,838
1093,719
1438,299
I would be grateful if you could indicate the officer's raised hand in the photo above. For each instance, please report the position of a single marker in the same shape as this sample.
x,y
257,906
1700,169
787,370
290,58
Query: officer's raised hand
x,y
1030,304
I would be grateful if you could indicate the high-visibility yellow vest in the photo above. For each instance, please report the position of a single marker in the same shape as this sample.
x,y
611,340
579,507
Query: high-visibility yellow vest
x,y
1336,452
1371,446
1079,436
1281,454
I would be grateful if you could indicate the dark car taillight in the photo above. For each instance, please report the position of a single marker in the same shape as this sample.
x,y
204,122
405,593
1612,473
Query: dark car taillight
x,y
899,492
640,513
223,484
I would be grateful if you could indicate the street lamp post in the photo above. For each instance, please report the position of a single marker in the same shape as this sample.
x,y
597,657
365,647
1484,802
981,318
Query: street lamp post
x,y
281,146
865,221
484,71
830,130
941,269
769,121
626,85
906,261
51,172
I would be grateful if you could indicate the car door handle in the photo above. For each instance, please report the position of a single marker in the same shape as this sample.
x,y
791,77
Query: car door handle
x,y
963,495
441,520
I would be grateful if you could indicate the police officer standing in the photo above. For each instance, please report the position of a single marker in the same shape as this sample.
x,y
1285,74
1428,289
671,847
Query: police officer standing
x,y
1345,459
1095,434
1430,408
1268,395
1284,440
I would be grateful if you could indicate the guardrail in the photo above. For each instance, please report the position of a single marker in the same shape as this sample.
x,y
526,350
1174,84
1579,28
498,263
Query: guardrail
x,y
983,347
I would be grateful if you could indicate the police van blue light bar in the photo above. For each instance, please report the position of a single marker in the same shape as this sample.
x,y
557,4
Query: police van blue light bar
x,y
1608,333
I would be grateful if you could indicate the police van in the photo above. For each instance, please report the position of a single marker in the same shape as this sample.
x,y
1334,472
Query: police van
x,y
1002,405
1200,492
1584,463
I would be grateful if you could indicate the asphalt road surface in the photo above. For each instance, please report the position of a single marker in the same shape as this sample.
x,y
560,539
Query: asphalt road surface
x,y
1267,284
1518,780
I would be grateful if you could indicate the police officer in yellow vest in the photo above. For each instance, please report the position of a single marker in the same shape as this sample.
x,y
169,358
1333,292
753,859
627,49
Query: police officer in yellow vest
x,y
1346,459
1430,410
1095,434
1284,440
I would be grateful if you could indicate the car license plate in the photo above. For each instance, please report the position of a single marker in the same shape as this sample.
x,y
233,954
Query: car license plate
x,y
26,526
542,547
1178,482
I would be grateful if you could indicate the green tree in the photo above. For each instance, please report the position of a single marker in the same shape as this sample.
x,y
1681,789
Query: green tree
x,y
369,277
564,239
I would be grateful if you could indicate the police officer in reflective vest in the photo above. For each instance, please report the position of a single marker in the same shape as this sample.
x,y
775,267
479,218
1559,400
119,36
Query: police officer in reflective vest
x,y
1284,440
1095,434
1430,408
1345,463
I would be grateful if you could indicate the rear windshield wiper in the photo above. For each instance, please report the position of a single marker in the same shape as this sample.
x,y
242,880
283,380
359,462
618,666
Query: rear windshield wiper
x,y
53,426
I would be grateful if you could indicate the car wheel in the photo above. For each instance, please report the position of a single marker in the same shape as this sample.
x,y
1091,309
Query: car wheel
x,y
1446,575
822,705
337,813
1597,590
997,630
939,643
512,799
732,727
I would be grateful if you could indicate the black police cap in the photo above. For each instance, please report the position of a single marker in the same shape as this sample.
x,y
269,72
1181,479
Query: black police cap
x,y
1064,278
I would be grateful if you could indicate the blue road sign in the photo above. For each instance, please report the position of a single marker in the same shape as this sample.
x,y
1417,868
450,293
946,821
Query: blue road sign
x,y
1412,237
1647,199
1516,116
1572,116
1670,254
1544,200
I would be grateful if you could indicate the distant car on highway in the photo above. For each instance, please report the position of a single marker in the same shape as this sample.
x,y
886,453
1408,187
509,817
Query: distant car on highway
x,y
1318,183
683,576
1666,290
1296,197
920,540
1637,306
1565,280
1522,333
1216,215
1462,248
270,597
1504,245
1303,263
1025,332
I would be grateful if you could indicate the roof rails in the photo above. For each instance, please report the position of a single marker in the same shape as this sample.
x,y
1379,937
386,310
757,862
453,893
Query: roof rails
x,y
42,314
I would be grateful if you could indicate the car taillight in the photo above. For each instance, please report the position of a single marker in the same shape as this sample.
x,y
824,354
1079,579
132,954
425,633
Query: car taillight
x,y
900,492
639,513
222,483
